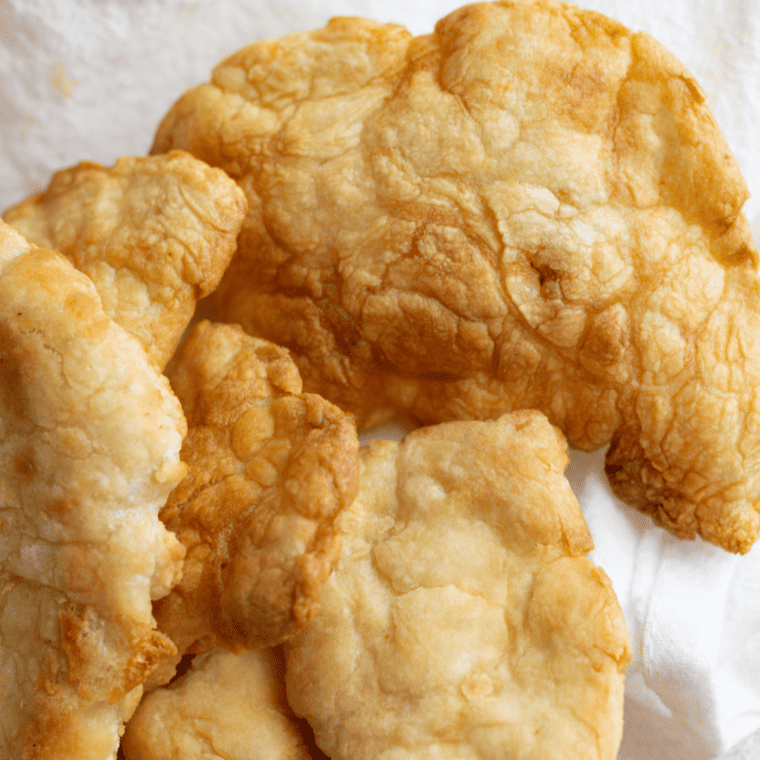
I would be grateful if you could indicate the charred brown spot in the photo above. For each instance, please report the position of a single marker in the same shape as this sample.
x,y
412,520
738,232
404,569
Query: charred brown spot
x,y
23,465
61,508
72,629
545,274
11,373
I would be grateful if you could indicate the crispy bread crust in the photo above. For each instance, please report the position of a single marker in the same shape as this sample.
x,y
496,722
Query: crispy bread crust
x,y
153,234
463,618
91,436
270,471
532,207
227,707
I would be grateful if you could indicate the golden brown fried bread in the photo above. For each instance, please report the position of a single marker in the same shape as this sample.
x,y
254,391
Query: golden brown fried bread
x,y
153,234
531,207
270,471
463,618
91,437
227,707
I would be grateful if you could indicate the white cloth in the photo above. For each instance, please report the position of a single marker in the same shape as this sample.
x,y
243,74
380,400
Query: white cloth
x,y
90,79
693,612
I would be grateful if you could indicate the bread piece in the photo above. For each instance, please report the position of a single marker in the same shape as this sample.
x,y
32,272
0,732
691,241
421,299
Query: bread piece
x,y
227,707
91,436
270,471
531,207
153,234
463,619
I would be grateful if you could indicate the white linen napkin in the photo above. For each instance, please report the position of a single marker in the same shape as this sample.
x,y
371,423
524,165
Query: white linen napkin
x,y
88,79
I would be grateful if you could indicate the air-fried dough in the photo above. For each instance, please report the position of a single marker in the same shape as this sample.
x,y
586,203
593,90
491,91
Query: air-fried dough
x,y
463,618
530,208
153,234
227,707
270,471
91,437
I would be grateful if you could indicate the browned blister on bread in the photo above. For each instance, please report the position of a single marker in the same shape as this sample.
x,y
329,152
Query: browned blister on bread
x,y
91,436
531,207
227,707
463,618
153,234
270,471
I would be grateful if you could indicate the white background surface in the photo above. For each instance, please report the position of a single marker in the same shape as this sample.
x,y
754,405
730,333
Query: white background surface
x,y
90,79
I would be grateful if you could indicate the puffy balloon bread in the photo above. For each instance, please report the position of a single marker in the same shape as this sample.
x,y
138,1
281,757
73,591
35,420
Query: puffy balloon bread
x,y
270,471
530,207
154,235
463,618
91,436
226,707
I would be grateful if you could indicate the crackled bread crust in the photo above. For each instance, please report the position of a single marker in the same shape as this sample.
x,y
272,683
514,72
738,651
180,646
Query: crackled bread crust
x,y
531,207
91,437
271,469
153,234
463,618
227,707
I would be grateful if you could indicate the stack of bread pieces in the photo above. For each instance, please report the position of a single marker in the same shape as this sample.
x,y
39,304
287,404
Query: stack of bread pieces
x,y
522,232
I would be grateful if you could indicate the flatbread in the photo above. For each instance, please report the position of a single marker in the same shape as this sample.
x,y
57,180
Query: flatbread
x,y
531,207
227,707
463,618
91,436
153,234
271,469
